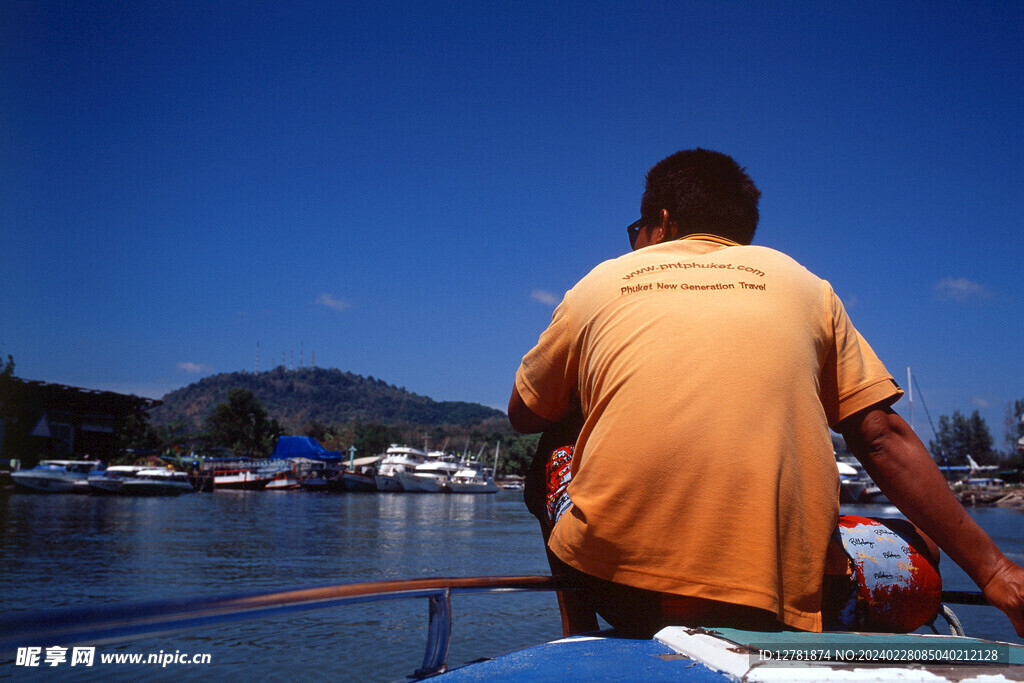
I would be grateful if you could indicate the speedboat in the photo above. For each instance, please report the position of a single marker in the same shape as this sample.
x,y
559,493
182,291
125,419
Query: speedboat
x,y
56,476
157,481
111,480
397,459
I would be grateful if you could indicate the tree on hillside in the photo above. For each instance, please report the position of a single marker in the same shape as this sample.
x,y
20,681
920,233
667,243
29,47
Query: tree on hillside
x,y
134,432
369,438
241,424
1015,430
958,437
316,430
517,453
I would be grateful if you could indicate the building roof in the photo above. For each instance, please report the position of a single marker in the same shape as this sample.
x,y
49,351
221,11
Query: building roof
x,y
16,390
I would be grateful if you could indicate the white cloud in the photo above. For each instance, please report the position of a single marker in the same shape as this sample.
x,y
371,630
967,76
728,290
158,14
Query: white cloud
x,y
545,297
983,402
960,289
190,368
332,302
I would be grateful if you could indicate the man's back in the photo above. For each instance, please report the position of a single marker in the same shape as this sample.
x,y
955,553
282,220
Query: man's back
x,y
703,370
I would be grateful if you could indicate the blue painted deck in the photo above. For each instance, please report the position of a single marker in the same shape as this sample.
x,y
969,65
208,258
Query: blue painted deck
x,y
715,655
589,659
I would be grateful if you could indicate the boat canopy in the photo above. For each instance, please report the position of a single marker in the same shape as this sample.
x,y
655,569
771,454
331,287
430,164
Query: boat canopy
x,y
302,447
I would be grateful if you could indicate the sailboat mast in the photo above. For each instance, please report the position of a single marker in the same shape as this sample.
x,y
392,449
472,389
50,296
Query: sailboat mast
x,y
910,395
497,448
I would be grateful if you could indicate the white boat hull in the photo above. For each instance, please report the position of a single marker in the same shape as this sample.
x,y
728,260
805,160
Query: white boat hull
x,y
40,483
420,483
55,476
283,484
387,483
241,480
353,481
472,487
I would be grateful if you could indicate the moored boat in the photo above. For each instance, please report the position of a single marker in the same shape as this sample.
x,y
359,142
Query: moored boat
x,y
285,480
472,477
111,480
397,459
302,462
56,476
157,481
358,481
430,477
246,475
246,478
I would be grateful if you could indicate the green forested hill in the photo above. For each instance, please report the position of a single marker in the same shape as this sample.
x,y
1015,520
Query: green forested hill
x,y
296,397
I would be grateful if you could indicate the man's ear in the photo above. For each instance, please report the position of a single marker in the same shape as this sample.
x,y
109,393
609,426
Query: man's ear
x,y
664,231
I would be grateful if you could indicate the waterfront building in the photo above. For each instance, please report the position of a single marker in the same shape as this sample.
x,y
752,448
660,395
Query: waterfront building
x,y
40,420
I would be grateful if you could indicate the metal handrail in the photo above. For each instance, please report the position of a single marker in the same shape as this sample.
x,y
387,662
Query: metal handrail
x,y
105,623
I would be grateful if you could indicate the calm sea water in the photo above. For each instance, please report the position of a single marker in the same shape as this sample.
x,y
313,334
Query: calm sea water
x,y
67,550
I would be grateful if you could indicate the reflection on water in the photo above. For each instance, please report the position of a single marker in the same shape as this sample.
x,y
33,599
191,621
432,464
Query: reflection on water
x,y
59,551
69,550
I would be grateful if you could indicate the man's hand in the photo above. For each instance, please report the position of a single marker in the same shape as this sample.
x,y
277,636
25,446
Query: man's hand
x,y
1005,590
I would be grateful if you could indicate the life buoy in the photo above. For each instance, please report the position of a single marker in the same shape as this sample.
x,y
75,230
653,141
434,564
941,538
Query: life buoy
x,y
892,582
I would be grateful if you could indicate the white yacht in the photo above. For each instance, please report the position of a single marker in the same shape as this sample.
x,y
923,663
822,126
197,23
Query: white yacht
x,y
431,476
472,477
397,459
56,476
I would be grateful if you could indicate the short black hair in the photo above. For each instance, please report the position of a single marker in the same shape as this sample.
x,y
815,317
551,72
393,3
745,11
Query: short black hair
x,y
704,191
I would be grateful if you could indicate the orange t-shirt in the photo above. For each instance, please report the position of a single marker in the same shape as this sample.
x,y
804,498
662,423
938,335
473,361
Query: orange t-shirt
x,y
709,374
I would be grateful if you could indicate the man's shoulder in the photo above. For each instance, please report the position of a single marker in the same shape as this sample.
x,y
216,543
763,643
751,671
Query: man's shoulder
x,y
761,251
778,258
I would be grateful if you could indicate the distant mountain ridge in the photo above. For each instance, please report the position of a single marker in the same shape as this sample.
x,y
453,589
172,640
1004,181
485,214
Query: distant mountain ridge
x,y
328,396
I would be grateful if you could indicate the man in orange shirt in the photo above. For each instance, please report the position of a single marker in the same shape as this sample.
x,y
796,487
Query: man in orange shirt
x,y
706,374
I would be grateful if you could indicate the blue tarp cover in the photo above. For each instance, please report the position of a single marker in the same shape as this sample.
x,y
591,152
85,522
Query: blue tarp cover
x,y
302,447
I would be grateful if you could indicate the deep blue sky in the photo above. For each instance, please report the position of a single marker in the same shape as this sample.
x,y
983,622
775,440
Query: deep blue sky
x,y
404,189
